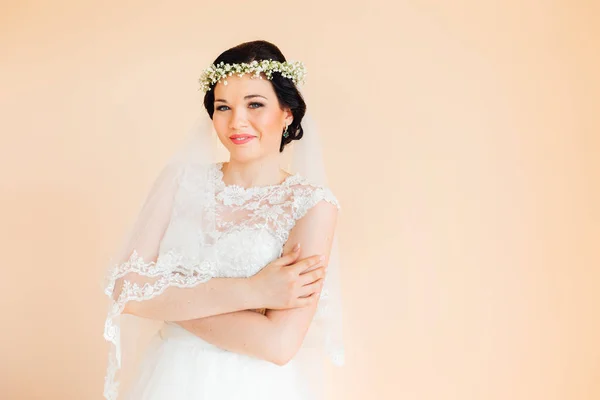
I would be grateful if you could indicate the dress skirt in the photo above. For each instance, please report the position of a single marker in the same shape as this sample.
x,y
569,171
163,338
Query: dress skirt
x,y
177,365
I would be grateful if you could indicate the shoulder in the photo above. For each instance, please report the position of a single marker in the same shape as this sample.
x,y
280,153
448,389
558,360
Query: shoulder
x,y
314,210
307,195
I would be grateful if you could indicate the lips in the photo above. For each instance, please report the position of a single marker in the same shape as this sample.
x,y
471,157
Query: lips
x,y
241,138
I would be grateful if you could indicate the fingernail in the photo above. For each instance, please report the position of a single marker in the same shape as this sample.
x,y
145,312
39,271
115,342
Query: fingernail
x,y
322,258
297,247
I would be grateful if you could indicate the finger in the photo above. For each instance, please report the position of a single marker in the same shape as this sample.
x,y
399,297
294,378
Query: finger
x,y
308,300
312,288
290,257
307,263
312,276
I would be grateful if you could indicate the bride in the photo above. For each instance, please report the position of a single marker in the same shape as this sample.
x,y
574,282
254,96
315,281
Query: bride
x,y
231,266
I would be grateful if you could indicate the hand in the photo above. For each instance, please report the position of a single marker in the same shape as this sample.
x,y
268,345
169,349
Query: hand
x,y
288,282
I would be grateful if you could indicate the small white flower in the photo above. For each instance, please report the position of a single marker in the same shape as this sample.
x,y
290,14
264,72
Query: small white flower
x,y
293,70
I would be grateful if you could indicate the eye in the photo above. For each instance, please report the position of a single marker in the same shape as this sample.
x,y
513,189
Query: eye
x,y
256,105
221,108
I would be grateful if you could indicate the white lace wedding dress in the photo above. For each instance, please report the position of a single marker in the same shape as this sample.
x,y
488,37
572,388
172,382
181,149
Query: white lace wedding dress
x,y
253,225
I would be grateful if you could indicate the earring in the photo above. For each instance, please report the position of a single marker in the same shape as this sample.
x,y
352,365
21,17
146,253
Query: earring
x,y
285,132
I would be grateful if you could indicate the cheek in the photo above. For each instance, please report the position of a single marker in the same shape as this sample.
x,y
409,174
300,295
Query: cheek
x,y
220,122
268,123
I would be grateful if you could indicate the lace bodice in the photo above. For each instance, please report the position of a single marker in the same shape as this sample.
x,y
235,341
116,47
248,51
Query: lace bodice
x,y
250,228
253,224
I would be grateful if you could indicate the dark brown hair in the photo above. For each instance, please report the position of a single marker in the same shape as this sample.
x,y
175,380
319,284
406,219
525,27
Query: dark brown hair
x,y
287,93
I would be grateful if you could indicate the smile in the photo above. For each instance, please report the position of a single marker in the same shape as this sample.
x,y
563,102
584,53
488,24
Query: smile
x,y
241,139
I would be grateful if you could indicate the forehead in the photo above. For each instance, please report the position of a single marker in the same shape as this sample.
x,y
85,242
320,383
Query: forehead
x,y
238,87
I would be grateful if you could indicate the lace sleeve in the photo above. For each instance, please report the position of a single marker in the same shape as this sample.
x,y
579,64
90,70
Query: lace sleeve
x,y
306,197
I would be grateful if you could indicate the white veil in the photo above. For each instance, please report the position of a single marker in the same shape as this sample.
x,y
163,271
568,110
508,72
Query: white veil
x,y
171,243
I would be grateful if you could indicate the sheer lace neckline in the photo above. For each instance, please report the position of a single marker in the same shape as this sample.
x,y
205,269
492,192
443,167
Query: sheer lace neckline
x,y
222,186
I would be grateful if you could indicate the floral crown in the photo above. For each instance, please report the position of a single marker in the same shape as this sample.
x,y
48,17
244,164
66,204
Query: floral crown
x,y
293,70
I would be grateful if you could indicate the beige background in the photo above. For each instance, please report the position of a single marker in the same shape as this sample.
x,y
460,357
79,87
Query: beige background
x,y
462,139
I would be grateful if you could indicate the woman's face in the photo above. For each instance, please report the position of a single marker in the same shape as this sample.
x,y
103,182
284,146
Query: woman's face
x,y
248,118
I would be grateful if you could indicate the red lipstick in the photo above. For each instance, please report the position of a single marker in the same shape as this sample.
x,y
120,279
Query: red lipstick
x,y
241,138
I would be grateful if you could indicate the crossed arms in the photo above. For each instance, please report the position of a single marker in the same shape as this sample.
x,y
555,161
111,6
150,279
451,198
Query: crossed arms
x,y
277,335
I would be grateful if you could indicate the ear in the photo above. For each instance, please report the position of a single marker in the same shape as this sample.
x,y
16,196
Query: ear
x,y
288,116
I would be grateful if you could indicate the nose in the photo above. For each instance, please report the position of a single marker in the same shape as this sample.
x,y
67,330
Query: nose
x,y
239,119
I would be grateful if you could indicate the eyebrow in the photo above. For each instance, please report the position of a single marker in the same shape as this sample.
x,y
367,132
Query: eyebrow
x,y
250,96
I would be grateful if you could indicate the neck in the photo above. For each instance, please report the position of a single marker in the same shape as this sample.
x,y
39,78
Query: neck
x,y
261,172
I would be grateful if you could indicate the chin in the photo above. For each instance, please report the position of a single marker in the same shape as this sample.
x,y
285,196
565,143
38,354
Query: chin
x,y
243,156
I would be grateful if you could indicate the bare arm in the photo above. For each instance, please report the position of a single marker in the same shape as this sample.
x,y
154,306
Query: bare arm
x,y
278,335
243,332
215,296
277,286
